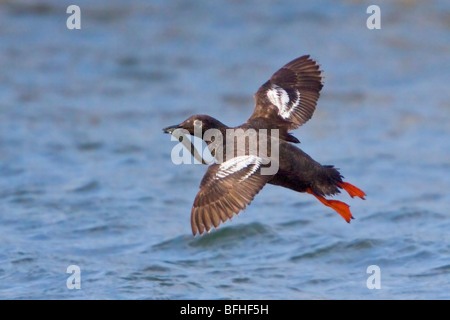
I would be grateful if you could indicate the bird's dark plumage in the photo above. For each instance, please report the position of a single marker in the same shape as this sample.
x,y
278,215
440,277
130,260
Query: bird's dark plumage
x,y
225,191
289,97
285,102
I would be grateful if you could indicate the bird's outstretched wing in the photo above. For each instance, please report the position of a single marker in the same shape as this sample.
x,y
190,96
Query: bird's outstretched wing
x,y
225,190
289,98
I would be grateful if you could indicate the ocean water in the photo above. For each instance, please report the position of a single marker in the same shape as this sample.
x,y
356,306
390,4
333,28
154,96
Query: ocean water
x,y
86,176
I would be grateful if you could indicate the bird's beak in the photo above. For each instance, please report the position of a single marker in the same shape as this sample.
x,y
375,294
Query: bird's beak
x,y
170,129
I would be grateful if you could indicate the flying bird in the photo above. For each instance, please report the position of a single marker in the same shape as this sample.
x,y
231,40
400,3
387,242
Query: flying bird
x,y
283,103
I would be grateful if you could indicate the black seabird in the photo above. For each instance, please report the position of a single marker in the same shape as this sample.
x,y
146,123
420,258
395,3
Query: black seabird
x,y
285,102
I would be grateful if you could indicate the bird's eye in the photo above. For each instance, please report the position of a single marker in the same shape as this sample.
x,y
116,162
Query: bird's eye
x,y
197,123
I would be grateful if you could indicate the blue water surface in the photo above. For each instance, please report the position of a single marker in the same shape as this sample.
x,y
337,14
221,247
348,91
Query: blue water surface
x,y
86,176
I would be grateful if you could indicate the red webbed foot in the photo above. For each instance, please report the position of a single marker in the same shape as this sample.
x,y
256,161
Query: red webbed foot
x,y
352,190
340,207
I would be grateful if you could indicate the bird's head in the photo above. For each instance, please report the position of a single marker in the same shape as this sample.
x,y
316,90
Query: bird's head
x,y
196,123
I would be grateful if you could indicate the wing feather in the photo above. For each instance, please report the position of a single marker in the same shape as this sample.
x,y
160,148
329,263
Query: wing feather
x,y
290,97
225,190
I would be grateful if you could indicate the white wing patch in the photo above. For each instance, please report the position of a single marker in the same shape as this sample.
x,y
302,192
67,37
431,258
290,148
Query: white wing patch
x,y
238,163
280,98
